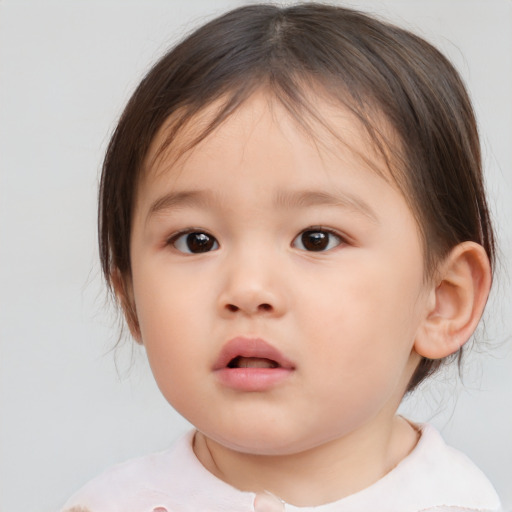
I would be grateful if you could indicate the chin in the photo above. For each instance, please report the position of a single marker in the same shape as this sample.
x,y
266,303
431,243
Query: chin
x,y
266,440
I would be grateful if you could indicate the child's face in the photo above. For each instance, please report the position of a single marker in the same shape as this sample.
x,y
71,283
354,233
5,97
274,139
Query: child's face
x,y
299,247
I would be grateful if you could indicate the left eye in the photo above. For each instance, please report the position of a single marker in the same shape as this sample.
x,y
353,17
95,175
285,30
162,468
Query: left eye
x,y
316,240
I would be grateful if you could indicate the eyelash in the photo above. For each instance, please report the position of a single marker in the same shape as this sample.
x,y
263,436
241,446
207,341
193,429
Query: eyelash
x,y
180,240
319,230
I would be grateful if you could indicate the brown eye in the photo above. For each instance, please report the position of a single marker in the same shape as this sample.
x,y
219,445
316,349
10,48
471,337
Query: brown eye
x,y
316,240
195,242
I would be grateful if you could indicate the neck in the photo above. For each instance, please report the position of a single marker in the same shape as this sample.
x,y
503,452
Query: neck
x,y
322,474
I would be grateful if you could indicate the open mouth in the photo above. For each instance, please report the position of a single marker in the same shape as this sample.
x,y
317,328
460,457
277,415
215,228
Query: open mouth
x,y
252,362
247,364
242,353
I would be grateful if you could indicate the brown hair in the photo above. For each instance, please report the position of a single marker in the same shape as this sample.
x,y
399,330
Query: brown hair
x,y
375,69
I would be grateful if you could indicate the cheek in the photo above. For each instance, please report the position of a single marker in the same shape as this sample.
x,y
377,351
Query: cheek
x,y
165,298
174,357
363,296
363,323
168,316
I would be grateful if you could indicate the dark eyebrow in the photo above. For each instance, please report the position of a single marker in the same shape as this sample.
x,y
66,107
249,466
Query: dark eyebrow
x,y
298,199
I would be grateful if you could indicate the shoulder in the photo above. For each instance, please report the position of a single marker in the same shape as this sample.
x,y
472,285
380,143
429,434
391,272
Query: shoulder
x,y
445,477
433,478
172,480
136,484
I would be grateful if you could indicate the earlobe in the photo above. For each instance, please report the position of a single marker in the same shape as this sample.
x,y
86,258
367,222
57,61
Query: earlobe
x,y
457,302
124,292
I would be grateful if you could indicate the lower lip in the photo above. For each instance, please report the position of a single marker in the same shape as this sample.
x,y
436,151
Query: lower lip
x,y
252,379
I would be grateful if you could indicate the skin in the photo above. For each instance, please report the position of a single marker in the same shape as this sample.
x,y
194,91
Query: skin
x,y
350,318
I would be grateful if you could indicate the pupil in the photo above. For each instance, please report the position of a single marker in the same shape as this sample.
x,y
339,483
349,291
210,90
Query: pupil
x,y
199,242
315,240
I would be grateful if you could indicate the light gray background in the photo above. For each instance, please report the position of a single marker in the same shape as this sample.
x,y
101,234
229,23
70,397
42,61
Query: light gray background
x,y
69,406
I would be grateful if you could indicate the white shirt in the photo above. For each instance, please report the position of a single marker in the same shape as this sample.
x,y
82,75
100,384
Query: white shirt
x,y
433,477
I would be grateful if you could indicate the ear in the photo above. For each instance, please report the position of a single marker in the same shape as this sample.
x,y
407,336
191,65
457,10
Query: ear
x,y
123,289
457,302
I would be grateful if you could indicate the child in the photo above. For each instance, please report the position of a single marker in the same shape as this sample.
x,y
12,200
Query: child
x,y
293,218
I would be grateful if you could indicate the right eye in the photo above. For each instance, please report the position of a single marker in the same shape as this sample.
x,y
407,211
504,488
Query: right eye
x,y
194,242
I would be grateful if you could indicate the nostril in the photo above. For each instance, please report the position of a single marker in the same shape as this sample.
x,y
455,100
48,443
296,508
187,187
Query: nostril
x,y
264,307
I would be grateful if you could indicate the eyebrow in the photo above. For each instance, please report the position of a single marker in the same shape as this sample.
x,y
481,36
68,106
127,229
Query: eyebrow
x,y
283,199
180,200
299,199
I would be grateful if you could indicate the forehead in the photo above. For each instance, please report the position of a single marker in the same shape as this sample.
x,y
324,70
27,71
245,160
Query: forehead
x,y
320,124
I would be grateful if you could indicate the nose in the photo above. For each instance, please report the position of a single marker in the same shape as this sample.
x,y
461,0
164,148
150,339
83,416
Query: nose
x,y
252,285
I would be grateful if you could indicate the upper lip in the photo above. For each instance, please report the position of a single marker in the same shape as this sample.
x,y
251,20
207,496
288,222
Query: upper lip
x,y
250,347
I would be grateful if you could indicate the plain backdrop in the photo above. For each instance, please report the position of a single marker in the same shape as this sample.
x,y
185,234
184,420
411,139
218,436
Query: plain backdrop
x,y
70,405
